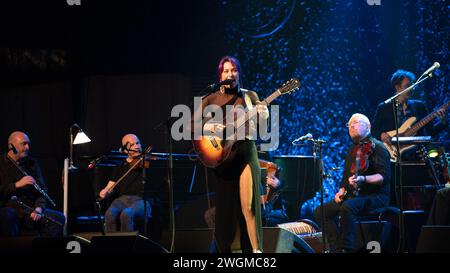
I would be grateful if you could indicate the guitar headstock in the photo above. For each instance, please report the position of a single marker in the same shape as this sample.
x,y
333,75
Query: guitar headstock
x,y
290,86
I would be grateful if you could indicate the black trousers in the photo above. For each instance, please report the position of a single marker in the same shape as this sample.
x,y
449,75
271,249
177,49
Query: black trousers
x,y
342,236
13,221
440,210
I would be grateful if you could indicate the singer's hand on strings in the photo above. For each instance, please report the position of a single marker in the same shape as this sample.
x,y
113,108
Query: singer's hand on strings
x,y
36,215
214,127
263,111
24,181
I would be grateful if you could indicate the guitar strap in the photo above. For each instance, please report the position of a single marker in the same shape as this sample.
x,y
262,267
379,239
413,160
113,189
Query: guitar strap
x,y
232,101
223,107
248,100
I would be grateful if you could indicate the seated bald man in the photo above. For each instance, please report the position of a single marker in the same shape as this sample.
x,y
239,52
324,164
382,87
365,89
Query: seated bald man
x,y
14,218
368,190
129,206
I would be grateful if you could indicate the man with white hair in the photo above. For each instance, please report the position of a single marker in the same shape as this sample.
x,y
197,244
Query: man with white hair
x,y
364,186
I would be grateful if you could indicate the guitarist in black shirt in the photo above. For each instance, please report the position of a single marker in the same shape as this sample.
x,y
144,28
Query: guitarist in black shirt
x,y
383,121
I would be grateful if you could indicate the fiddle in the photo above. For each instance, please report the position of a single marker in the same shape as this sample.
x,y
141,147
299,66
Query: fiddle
x,y
271,171
361,152
135,164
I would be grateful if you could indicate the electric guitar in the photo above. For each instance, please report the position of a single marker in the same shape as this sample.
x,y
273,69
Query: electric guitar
x,y
213,151
408,129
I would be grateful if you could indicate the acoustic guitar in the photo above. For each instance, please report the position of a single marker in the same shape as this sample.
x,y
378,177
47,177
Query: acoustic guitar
x,y
213,151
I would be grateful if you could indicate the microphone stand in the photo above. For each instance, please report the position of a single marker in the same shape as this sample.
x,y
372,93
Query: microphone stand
x,y
144,190
406,90
317,148
169,143
170,183
398,178
398,168
207,91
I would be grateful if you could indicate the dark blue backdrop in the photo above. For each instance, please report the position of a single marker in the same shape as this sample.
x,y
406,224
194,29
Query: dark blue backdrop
x,y
344,53
62,64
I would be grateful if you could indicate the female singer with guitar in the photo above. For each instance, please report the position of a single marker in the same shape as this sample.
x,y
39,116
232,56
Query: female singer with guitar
x,y
364,186
238,217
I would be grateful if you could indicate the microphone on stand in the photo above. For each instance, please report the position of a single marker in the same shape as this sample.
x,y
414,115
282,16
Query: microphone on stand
x,y
213,87
308,136
435,66
94,162
13,149
124,148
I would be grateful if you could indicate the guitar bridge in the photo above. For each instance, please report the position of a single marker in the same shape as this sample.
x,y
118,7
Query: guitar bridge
x,y
214,143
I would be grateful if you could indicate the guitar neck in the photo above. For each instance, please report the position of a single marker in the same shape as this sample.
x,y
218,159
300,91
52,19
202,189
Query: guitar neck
x,y
271,98
250,114
416,127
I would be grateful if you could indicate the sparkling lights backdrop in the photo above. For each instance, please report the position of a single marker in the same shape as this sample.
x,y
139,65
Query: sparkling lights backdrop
x,y
344,53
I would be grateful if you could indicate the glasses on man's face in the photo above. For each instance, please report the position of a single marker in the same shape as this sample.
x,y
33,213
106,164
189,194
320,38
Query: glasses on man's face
x,y
352,124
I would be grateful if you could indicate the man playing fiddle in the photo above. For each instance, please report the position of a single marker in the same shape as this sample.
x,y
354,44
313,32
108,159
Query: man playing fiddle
x,y
364,186
129,206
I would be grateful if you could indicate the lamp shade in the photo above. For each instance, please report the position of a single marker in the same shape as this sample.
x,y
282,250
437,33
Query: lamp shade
x,y
81,138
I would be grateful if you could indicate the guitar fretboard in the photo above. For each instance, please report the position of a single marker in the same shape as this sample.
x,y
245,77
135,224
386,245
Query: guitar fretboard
x,y
416,127
272,97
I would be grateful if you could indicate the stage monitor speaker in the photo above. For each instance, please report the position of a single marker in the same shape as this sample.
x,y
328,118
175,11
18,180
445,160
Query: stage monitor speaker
x,y
275,240
434,239
68,244
189,240
124,242
278,240
382,232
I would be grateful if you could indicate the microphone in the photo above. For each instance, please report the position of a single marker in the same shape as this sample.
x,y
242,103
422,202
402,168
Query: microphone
x,y
308,136
435,66
13,149
213,87
94,162
124,147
